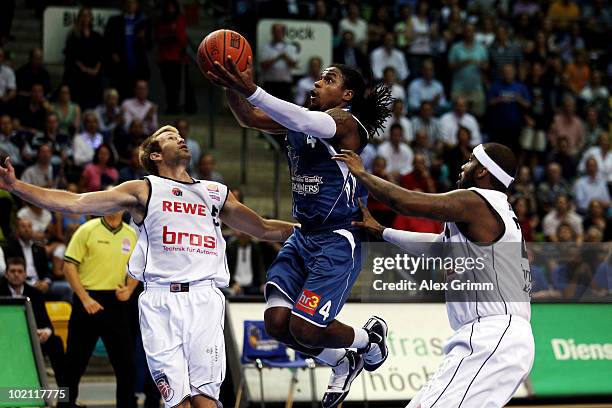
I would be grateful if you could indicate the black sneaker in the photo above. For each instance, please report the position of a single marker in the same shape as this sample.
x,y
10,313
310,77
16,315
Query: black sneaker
x,y
377,351
341,378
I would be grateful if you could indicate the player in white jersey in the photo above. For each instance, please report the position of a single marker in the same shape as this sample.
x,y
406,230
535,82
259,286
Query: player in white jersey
x,y
492,350
180,257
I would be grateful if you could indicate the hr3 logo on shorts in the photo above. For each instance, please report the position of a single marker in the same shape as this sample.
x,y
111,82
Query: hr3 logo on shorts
x,y
308,302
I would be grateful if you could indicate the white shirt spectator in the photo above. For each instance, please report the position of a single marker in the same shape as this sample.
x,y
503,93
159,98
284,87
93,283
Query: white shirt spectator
x,y
449,124
7,80
136,109
404,122
380,59
40,222
398,92
588,189
359,28
420,44
589,93
420,90
552,220
303,88
604,165
38,176
398,161
279,71
84,146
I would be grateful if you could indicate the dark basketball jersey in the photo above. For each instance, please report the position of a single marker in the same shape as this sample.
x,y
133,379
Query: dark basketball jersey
x,y
325,193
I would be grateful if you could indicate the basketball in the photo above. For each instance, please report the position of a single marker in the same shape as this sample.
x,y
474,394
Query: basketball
x,y
217,45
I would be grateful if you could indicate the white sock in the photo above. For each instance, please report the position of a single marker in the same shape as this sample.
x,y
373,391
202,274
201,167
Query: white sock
x,y
362,338
331,356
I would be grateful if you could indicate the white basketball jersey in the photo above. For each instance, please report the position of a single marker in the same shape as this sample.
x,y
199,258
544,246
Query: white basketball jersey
x,y
502,265
180,238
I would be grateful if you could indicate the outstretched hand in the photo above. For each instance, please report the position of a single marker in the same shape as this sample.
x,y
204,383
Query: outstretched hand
x,y
369,222
232,78
7,175
352,161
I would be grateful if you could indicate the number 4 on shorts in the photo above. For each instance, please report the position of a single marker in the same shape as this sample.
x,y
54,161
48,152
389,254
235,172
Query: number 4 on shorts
x,y
325,310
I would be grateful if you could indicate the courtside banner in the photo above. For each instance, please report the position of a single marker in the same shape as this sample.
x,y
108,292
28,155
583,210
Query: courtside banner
x,y
417,334
573,349
310,39
57,23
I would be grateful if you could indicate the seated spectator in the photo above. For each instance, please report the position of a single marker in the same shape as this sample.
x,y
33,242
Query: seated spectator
x,y
426,89
101,172
390,81
182,125
485,34
7,134
33,72
503,52
550,188
245,263
40,219
459,116
206,169
349,54
578,71
467,59
541,284
563,155
83,64
14,284
595,92
37,263
603,276
527,218
562,213
378,26
388,56
603,157
426,121
125,143
356,25
508,100
32,112
568,124
397,153
397,116
592,127
306,83
60,143
68,113
140,108
591,186
458,155
86,142
596,217
109,113
8,86
523,186
381,212
63,223
133,171
574,277
41,173
421,46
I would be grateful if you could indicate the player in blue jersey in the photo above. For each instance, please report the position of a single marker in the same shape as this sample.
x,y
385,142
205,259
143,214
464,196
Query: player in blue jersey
x,y
312,276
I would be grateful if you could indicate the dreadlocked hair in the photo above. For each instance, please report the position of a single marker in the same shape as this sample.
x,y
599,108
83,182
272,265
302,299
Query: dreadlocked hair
x,y
370,106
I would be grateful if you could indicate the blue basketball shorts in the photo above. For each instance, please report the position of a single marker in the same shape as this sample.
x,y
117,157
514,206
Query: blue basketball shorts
x,y
316,272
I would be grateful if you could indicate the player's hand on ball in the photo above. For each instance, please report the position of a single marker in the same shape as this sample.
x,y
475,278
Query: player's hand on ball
x,y
352,161
91,306
232,78
369,222
7,174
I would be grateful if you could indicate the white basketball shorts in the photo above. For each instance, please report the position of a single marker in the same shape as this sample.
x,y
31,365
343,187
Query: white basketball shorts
x,y
484,364
182,334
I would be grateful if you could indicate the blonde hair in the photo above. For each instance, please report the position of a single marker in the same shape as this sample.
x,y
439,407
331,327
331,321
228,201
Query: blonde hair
x,y
151,145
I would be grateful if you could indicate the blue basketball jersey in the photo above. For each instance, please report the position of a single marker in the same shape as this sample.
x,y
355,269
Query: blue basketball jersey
x,y
325,193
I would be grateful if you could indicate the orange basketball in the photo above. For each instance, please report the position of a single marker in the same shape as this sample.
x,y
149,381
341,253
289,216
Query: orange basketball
x,y
217,45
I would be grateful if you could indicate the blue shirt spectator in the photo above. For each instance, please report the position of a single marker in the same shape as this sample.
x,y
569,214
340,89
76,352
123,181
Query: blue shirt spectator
x,y
507,100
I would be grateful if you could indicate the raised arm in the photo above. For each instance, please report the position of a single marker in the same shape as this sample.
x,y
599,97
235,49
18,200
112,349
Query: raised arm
x,y
249,116
240,217
455,206
127,196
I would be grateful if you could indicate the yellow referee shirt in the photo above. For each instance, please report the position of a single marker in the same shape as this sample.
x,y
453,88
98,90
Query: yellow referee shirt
x,y
101,253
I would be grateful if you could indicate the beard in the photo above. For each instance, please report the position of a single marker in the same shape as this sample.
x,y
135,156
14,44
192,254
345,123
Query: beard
x,y
467,180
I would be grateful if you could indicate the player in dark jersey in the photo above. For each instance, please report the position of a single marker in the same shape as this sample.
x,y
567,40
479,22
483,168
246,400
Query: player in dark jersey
x,y
311,278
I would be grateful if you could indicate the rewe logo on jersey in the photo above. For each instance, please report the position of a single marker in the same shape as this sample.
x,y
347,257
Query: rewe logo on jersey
x,y
308,302
185,208
187,238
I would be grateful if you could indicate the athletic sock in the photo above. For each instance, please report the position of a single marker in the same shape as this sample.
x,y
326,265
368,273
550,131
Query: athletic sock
x,y
331,356
361,340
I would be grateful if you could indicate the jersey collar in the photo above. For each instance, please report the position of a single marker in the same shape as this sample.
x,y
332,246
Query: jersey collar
x,y
111,229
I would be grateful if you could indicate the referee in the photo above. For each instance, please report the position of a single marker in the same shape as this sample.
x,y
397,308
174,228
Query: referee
x,y
95,264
